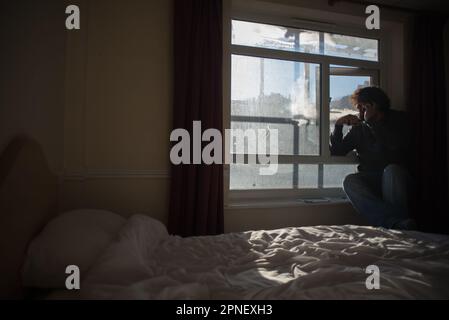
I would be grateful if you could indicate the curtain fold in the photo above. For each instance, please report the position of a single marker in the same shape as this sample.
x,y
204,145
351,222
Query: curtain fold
x,y
196,195
428,113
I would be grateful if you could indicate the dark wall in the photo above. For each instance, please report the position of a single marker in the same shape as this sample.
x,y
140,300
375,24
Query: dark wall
x,y
32,73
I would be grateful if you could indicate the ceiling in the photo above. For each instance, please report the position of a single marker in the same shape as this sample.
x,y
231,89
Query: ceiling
x,y
427,5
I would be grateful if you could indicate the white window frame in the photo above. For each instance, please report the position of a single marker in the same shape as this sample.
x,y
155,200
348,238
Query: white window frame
x,y
377,70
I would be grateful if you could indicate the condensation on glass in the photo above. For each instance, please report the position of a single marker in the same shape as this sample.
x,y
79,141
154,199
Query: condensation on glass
x,y
277,94
306,41
285,95
334,174
289,176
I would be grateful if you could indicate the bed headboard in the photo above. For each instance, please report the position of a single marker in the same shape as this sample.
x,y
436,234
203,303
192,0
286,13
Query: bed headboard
x,y
28,200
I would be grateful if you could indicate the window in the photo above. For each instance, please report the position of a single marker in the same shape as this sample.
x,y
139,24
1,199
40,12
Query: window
x,y
278,94
299,82
343,80
306,41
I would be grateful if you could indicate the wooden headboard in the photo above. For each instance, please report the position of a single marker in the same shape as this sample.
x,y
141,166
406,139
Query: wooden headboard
x,y
28,200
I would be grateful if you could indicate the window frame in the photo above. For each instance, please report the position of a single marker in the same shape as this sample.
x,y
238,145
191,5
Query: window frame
x,y
377,70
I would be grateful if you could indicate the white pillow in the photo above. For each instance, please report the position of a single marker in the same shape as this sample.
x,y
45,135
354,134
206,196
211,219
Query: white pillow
x,y
73,238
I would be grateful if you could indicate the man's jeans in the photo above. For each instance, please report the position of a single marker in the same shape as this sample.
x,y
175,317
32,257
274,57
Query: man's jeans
x,y
380,198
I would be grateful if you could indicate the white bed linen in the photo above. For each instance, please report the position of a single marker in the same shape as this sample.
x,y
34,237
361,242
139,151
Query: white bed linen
x,y
295,263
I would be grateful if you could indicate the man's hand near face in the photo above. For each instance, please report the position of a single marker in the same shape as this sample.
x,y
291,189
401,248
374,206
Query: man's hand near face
x,y
349,120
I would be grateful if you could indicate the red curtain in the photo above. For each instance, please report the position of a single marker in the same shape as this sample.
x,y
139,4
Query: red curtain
x,y
196,196
428,112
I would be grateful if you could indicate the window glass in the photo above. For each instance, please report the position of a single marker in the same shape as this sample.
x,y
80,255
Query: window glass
x,y
277,94
289,176
341,90
307,41
334,174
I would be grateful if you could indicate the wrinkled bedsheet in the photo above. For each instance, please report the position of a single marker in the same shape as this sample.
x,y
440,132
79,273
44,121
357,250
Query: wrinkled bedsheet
x,y
323,262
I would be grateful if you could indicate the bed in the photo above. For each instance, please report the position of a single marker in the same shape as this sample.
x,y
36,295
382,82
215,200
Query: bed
x,y
138,259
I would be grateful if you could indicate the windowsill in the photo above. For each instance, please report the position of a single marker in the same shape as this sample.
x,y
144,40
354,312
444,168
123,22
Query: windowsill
x,y
285,203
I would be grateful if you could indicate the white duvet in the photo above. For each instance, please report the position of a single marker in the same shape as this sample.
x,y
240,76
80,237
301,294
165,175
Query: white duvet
x,y
294,263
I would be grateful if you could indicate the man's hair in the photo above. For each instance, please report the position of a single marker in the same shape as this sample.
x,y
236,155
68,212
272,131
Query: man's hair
x,y
372,95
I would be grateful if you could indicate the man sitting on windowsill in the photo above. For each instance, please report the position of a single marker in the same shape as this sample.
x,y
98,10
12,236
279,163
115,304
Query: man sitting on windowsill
x,y
381,138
